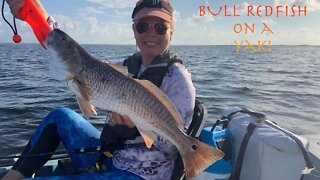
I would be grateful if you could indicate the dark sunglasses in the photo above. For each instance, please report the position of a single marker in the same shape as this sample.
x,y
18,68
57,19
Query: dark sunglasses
x,y
142,27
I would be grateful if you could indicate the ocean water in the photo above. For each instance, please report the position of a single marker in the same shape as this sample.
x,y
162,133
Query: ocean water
x,y
283,83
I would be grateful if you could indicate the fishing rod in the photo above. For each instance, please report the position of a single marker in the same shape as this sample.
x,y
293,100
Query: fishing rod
x,y
109,147
105,148
34,155
31,14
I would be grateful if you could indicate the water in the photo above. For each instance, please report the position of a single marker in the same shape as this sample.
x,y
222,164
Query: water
x,y
283,83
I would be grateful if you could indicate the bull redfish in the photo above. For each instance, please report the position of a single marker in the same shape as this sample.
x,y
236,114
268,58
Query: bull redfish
x,y
106,86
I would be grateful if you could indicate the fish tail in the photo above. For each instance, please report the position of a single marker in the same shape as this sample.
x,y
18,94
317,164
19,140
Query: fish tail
x,y
199,157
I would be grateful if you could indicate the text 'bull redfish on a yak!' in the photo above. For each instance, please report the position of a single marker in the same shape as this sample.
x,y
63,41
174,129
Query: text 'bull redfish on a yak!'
x,y
106,86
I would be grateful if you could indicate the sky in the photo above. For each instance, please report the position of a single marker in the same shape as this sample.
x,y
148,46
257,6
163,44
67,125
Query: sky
x,y
109,22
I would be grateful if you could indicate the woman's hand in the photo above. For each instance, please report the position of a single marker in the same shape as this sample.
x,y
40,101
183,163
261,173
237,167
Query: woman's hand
x,y
16,5
123,120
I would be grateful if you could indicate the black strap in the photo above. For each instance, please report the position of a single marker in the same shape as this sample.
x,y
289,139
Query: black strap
x,y
157,69
133,63
156,74
197,118
238,166
250,129
224,120
261,116
198,112
305,154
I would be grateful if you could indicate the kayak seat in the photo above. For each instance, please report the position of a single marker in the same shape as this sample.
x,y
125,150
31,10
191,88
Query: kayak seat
x,y
197,121
65,166
194,130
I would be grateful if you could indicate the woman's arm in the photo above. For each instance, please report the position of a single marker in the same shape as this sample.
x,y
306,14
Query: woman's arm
x,y
15,6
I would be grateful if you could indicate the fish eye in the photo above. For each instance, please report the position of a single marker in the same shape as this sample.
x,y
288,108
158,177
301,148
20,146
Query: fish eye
x,y
64,39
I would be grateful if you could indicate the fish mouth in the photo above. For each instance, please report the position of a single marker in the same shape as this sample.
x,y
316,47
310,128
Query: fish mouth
x,y
52,36
48,41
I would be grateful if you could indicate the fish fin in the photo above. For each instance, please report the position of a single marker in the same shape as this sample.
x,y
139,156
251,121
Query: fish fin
x,y
83,89
73,87
147,136
163,99
199,157
86,108
84,105
94,110
120,68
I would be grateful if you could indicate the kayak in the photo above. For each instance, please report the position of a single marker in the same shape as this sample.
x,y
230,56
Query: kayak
x,y
219,136
54,169
57,169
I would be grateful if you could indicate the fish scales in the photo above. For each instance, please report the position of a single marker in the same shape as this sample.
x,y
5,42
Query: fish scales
x,y
135,102
105,86
139,103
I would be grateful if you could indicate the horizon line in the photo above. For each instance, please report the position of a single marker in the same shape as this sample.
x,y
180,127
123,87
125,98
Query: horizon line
x,y
170,45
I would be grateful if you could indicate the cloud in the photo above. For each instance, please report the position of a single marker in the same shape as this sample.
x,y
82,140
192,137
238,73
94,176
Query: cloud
x,y
268,21
176,16
200,35
90,11
197,30
71,25
196,20
312,5
300,36
243,7
122,14
88,29
116,4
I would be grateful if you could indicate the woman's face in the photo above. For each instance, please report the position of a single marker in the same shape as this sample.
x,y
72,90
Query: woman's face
x,y
150,42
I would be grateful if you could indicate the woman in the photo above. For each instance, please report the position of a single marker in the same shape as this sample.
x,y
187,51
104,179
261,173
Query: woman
x,y
153,28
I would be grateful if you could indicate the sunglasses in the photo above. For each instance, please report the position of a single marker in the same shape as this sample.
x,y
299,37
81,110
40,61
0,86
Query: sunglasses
x,y
142,27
